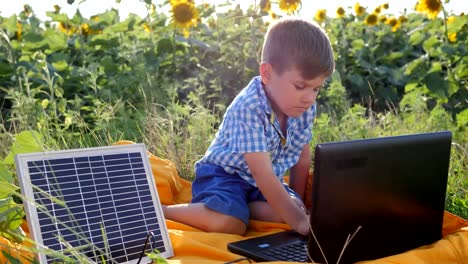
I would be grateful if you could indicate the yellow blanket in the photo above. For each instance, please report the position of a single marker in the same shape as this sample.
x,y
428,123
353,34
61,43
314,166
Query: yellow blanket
x,y
194,246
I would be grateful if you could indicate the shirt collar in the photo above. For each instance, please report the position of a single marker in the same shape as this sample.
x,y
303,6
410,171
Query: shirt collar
x,y
262,96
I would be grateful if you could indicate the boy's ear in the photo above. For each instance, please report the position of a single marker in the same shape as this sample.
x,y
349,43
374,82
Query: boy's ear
x,y
265,72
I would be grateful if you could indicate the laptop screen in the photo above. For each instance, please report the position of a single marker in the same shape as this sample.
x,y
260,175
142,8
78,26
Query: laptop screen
x,y
391,188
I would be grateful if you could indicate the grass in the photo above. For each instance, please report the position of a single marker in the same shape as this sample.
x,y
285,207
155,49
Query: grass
x,y
182,133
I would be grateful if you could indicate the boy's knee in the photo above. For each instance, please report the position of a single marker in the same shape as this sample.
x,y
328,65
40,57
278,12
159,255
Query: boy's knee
x,y
227,224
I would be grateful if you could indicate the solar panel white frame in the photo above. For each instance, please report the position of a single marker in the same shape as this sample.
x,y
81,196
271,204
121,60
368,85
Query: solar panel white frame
x,y
28,172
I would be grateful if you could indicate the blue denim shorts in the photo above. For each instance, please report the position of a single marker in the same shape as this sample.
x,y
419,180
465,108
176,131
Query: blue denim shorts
x,y
226,193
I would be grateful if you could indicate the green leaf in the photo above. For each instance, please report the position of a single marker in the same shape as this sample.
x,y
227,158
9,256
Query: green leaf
x,y
11,217
357,44
58,91
416,38
410,87
457,24
33,41
117,27
6,69
393,56
56,40
461,70
10,24
396,77
412,66
58,17
165,45
448,49
382,70
25,142
462,118
358,84
436,66
453,85
60,65
62,104
7,189
5,175
105,40
109,65
437,86
417,69
107,17
77,19
14,234
430,43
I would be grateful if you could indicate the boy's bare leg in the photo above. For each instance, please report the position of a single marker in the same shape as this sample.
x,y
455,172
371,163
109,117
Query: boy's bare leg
x,y
201,217
260,210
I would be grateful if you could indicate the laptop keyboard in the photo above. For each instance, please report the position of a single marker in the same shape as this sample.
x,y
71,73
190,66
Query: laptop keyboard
x,y
292,252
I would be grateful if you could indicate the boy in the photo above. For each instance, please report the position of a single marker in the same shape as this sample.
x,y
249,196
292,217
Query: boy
x,y
265,131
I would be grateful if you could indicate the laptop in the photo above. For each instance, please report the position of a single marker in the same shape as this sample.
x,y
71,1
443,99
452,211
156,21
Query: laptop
x,y
380,196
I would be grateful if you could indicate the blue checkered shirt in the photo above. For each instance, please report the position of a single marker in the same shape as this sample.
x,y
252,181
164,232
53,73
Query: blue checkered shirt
x,y
249,125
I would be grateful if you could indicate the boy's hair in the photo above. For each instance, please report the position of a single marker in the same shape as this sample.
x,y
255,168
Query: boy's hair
x,y
293,43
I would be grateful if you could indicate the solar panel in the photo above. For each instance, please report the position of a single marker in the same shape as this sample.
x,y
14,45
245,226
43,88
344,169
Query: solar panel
x,y
101,202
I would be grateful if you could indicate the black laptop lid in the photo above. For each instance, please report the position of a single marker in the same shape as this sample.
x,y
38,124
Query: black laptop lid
x,y
393,187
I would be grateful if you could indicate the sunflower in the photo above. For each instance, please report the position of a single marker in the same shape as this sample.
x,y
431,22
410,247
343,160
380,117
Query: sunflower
x,y
340,12
67,28
320,15
385,6
396,26
289,6
57,9
359,9
84,28
394,23
265,6
212,22
184,13
402,19
27,10
371,19
383,19
452,37
146,27
377,10
450,19
429,7
19,30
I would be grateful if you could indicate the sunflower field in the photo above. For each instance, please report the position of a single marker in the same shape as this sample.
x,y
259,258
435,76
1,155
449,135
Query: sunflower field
x,y
165,79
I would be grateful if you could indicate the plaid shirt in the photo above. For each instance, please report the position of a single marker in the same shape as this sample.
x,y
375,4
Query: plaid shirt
x,y
249,125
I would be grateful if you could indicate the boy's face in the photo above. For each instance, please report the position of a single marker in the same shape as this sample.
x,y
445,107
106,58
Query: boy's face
x,y
289,93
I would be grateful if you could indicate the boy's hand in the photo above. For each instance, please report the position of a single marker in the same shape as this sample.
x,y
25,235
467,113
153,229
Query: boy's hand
x,y
303,225
276,195
303,228
299,203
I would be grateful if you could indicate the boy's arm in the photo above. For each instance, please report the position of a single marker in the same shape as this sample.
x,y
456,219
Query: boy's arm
x,y
276,195
300,172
